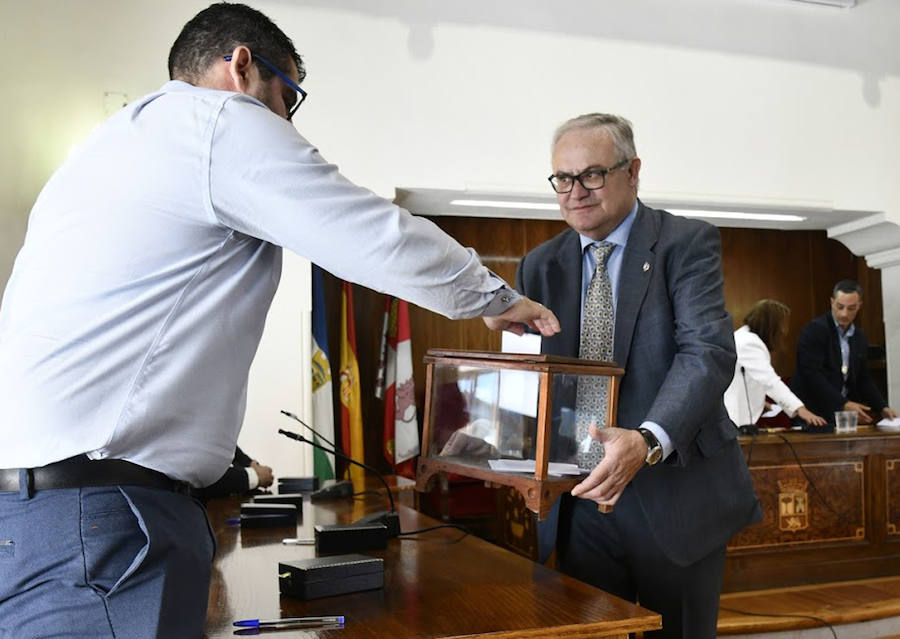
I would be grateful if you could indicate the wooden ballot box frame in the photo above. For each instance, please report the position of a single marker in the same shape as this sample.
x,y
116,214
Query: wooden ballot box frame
x,y
539,489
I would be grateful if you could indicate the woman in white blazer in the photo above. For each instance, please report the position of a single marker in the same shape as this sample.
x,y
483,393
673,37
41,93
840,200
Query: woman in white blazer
x,y
761,335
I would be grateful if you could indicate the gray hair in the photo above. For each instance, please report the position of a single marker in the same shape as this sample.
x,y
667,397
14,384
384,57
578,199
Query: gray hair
x,y
847,286
618,128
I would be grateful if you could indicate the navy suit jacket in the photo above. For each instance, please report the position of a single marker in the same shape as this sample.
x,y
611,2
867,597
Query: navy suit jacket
x,y
675,341
233,482
818,380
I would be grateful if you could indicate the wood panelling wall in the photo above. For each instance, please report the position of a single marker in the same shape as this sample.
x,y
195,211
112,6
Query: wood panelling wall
x,y
798,268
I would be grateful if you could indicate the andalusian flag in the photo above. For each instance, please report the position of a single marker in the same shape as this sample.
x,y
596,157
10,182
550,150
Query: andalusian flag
x,y
401,431
351,406
322,407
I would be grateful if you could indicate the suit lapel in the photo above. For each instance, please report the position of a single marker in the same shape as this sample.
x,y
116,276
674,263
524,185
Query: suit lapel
x,y
638,264
564,296
836,356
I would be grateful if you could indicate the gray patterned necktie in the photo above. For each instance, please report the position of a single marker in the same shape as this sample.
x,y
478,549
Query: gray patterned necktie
x,y
598,321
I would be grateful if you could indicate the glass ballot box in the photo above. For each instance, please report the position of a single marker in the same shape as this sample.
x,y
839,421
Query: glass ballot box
x,y
513,419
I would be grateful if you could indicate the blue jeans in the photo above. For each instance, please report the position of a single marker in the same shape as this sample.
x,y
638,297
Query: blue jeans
x,y
126,562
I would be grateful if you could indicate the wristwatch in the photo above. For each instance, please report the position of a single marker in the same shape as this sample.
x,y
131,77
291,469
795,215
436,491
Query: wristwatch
x,y
654,448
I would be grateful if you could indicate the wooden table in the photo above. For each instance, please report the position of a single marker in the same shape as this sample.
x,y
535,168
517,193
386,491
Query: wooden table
x,y
831,510
437,584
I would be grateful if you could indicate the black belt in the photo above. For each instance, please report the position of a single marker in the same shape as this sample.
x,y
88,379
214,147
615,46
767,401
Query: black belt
x,y
80,472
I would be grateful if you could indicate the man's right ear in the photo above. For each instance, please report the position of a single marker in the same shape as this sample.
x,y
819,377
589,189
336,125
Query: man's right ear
x,y
239,68
634,170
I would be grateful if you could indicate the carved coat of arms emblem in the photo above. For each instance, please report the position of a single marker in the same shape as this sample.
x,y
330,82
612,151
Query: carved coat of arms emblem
x,y
793,505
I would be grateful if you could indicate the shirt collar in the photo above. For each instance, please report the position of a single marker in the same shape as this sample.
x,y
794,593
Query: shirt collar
x,y
848,333
620,234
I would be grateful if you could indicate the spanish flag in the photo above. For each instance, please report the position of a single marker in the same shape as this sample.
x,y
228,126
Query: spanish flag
x,y
351,406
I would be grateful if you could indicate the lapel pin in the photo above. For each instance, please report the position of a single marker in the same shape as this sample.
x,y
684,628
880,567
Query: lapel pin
x,y
646,266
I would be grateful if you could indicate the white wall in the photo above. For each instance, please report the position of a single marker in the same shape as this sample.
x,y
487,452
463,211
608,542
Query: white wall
x,y
756,101
890,291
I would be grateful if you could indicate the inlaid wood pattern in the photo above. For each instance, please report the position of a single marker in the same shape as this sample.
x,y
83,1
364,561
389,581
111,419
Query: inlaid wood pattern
x,y
892,496
518,530
839,521
824,504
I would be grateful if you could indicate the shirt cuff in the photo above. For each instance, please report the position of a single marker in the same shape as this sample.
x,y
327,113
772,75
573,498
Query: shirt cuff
x,y
661,436
252,478
504,297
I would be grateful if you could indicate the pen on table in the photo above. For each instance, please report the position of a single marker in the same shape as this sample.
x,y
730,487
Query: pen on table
x,y
299,541
290,621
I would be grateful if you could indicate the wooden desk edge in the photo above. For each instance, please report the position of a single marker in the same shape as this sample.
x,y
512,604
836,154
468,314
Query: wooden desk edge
x,y
608,630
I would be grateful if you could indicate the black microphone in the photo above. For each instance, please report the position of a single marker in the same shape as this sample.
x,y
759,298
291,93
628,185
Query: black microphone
x,y
390,519
308,427
750,428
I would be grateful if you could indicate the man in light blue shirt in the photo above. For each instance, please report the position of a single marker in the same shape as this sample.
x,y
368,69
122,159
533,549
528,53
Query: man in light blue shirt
x,y
134,311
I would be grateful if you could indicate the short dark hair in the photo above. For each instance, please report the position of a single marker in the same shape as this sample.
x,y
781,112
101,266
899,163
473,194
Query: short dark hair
x,y
847,286
217,30
767,318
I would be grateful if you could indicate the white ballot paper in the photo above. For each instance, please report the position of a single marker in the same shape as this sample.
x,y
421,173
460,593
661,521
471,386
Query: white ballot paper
x,y
529,343
527,466
772,411
889,425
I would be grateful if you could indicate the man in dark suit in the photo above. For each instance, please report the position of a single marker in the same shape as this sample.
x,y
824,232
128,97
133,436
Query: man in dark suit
x,y
672,467
832,374
244,474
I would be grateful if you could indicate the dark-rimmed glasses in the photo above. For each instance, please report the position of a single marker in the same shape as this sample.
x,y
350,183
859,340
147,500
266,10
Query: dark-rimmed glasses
x,y
301,94
591,179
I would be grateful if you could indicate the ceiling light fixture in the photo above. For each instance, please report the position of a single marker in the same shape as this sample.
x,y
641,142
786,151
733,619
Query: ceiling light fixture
x,y
549,206
507,204
846,4
737,215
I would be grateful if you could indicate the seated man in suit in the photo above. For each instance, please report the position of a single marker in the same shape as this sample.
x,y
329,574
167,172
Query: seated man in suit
x,y
831,362
242,476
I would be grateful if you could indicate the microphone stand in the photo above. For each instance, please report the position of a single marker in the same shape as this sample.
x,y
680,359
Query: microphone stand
x,y
750,428
389,518
307,427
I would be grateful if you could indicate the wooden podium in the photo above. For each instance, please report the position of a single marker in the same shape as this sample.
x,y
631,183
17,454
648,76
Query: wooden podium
x,y
831,510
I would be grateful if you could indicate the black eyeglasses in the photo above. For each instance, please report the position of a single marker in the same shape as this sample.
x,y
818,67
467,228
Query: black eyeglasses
x,y
591,179
301,94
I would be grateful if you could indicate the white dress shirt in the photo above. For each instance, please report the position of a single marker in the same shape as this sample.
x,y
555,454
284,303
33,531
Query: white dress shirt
x,y
757,380
139,297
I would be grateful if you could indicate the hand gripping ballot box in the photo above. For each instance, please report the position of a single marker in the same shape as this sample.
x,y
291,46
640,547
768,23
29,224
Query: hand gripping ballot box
x,y
511,419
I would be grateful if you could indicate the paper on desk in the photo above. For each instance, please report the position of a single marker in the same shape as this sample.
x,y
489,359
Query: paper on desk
x,y
527,466
772,411
890,425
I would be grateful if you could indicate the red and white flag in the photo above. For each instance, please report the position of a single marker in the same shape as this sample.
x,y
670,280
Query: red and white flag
x,y
401,431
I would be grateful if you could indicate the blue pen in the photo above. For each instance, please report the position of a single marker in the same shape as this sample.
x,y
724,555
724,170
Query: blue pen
x,y
290,621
